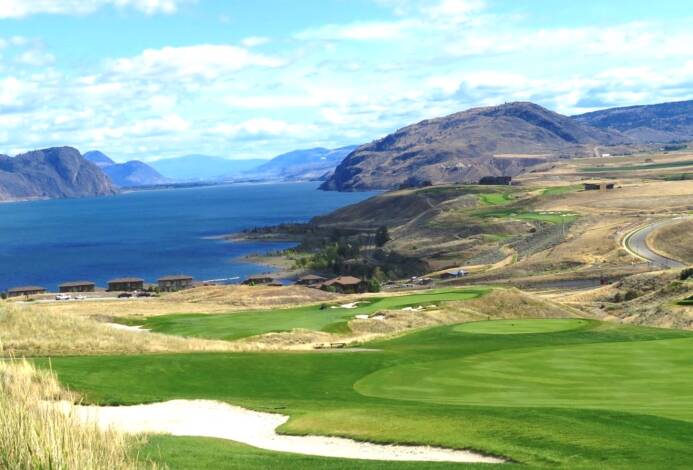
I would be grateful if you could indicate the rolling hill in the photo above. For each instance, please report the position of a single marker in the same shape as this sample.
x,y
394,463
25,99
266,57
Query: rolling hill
x,y
126,175
59,172
462,147
203,167
308,164
664,122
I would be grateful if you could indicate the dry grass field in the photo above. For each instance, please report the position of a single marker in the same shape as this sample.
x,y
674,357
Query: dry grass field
x,y
674,241
34,435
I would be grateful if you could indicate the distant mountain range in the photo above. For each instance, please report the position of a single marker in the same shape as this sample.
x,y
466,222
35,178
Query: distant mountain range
x,y
126,175
657,123
59,172
463,147
203,167
301,165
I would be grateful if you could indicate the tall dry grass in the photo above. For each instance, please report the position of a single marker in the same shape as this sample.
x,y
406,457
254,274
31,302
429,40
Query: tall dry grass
x,y
34,434
26,331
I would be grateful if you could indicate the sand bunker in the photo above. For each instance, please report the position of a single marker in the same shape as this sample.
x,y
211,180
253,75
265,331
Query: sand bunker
x,y
215,419
136,329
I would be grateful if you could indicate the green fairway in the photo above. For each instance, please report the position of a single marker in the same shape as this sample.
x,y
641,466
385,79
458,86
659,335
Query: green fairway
x,y
495,199
651,166
558,190
509,327
315,317
509,213
654,377
595,395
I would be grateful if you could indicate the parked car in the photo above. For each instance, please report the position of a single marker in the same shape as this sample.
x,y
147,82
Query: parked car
x,y
80,297
124,295
63,297
143,294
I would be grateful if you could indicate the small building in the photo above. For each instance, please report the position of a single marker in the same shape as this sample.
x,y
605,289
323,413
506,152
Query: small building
x,y
346,285
258,280
125,284
174,283
453,273
25,291
496,180
77,286
310,280
598,186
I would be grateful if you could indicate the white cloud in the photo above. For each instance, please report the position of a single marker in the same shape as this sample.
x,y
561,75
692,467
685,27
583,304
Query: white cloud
x,y
362,31
203,61
24,8
254,41
263,127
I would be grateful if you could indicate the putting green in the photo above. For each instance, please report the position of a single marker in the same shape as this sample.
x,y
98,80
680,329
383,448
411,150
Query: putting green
x,y
515,327
647,377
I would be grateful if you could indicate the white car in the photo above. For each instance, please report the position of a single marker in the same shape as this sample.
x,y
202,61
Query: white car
x,y
63,297
80,297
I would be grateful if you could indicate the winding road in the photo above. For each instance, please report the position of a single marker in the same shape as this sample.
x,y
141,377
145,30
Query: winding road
x,y
636,243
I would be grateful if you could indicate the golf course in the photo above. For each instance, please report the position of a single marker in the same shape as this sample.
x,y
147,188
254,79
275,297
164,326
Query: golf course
x,y
567,393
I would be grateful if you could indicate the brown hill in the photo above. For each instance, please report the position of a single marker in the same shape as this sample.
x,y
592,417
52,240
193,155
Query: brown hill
x,y
51,173
462,147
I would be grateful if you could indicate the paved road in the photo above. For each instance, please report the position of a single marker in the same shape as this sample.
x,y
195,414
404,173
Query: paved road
x,y
636,242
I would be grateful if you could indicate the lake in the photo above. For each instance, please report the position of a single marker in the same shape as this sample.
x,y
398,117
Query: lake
x,y
149,234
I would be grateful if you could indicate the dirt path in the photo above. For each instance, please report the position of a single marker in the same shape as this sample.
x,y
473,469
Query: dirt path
x,y
215,419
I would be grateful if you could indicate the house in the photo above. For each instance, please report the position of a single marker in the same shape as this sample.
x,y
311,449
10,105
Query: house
x,y
598,186
346,285
174,283
310,280
77,286
258,280
25,291
125,284
496,180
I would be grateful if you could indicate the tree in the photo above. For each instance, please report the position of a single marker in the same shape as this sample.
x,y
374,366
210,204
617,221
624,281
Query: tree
x,y
382,236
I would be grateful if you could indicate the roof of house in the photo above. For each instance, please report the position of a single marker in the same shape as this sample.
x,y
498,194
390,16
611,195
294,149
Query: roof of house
x,y
77,284
26,289
180,277
125,279
344,281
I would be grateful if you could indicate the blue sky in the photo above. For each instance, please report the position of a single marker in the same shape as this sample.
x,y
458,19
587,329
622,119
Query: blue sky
x,y
151,79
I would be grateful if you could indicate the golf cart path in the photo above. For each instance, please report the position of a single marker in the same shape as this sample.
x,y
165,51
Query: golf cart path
x,y
206,418
636,243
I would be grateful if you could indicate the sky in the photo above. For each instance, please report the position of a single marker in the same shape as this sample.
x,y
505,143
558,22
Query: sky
x,y
151,79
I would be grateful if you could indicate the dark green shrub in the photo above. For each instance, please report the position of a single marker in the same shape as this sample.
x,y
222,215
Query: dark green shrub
x,y
686,274
630,295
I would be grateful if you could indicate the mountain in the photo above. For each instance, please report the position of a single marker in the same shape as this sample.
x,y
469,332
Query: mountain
x,y
98,158
126,175
51,173
203,167
308,164
462,147
664,122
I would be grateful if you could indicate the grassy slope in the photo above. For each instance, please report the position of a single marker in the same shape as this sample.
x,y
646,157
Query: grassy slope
x,y
240,325
317,390
652,166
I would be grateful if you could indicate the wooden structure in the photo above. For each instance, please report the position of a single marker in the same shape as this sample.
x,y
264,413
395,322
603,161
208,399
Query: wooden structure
x,y
25,291
310,280
258,280
345,285
77,286
125,284
174,283
598,186
496,180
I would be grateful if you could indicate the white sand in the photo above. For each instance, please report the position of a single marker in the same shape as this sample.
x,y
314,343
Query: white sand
x,y
220,420
136,329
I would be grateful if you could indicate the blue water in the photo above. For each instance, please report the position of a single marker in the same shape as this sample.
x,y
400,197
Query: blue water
x,y
149,234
